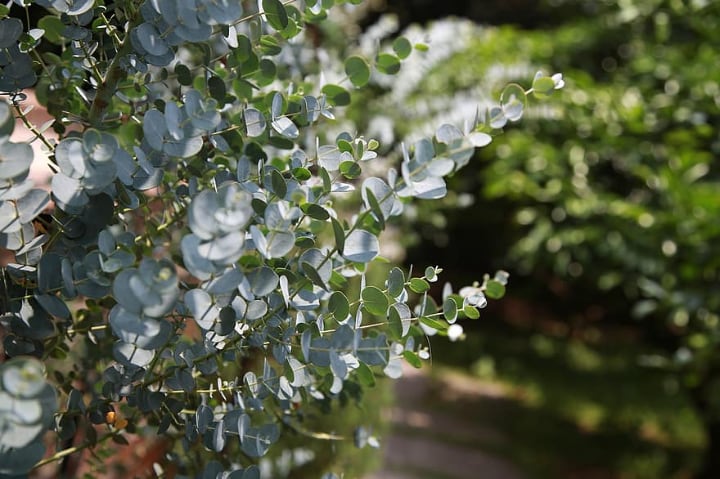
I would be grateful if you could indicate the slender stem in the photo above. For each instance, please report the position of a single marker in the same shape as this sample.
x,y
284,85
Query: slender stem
x,y
91,62
33,129
109,85
253,15
42,63
72,450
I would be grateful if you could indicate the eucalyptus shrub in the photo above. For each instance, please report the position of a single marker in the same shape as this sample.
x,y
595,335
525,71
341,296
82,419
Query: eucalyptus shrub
x,y
189,255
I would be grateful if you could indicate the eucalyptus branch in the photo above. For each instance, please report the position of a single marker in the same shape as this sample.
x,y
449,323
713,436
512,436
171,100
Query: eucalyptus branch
x,y
72,450
38,135
109,83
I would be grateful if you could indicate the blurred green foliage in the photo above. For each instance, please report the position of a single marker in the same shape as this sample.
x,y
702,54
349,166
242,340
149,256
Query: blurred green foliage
x,y
605,202
569,408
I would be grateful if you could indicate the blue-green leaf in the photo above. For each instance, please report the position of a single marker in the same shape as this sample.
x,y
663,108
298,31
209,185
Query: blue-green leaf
x,y
17,462
319,352
10,31
145,333
151,40
255,123
319,262
513,101
9,218
339,234
202,307
50,272
226,282
450,310
263,281
183,148
494,289
396,282
380,198
339,306
418,285
155,129
412,359
387,63
53,305
310,108
74,8
448,134
218,439
374,301
7,119
402,47
203,418
69,194
224,249
66,269
203,113
479,139
373,351
131,355
72,158
357,70
200,266
15,159
361,246
399,318
496,117
338,365
275,13
285,127
336,95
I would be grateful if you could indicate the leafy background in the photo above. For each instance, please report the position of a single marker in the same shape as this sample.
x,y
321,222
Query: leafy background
x,y
601,207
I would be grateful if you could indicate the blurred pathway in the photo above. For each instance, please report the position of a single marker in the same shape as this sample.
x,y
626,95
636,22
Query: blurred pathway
x,y
436,442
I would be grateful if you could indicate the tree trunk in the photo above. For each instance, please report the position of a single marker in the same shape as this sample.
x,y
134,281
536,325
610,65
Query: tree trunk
x,y
710,464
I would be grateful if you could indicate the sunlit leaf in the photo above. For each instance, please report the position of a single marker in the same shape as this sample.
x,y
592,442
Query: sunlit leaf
x,y
402,47
254,122
275,13
388,63
358,70
374,301
361,246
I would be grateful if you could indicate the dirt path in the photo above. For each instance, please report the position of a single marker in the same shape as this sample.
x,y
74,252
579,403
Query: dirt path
x,y
432,443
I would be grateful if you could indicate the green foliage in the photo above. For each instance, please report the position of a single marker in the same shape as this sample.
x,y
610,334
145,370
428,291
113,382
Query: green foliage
x,y
613,183
570,405
190,259
608,197
625,207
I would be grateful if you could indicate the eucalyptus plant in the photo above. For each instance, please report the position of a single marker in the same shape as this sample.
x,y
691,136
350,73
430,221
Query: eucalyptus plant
x,y
202,252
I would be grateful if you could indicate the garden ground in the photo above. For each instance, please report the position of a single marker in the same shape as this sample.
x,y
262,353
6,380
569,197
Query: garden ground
x,y
437,443
537,407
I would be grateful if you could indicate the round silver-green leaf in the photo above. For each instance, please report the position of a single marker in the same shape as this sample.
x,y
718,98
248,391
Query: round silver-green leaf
x,y
361,246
